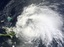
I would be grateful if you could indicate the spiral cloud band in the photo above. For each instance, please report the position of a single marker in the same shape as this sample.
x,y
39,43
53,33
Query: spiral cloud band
x,y
39,23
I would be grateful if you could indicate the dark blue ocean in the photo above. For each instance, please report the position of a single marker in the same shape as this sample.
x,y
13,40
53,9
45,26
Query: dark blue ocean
x,y
13,8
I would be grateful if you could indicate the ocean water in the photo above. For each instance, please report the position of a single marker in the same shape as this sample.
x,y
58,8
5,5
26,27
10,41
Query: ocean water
x,y
17,9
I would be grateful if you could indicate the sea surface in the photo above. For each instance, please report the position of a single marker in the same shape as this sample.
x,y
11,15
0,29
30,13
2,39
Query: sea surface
x,y
13,8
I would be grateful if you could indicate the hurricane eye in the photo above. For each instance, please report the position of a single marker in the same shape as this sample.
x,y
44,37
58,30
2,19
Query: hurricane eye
x,y
20,26
29,21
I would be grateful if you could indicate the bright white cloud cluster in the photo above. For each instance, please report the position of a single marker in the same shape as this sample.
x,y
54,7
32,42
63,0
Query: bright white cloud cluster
x,y
39,22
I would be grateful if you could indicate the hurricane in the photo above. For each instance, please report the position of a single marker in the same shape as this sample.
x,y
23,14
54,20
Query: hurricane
x,y
39,22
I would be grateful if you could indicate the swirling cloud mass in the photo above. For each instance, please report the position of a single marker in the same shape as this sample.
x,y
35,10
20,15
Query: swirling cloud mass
x,y
39,23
